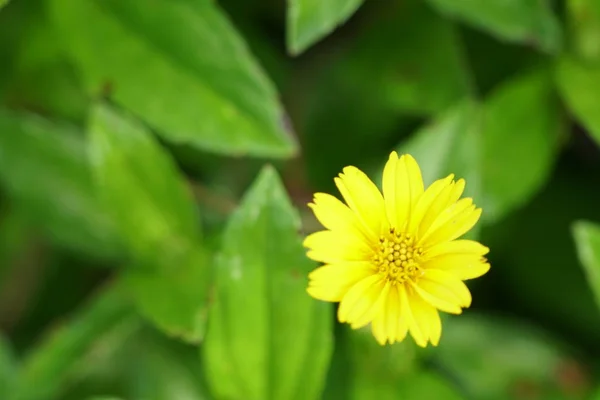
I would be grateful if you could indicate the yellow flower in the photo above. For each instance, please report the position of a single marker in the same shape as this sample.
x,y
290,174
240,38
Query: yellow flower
x,y
393,260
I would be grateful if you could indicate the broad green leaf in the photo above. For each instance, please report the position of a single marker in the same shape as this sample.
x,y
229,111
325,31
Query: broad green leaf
x,y
267,339
579,84
505,148
11,19
528,22
143,364
376,370
8,368
41,77
15,232
587,239
522,129
163,370
310,20
450,144
492,358
44,167
180,66
391,372
104,398
173,298
427,76
428,385
584,27
3,3
339,374
549,257
47,367
370,95
140,184
111,365
418,385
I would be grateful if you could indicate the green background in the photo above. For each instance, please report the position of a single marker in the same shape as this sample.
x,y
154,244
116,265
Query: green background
x,y
156,158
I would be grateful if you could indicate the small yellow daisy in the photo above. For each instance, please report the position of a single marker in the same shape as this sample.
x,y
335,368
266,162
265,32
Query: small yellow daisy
x,y
393,260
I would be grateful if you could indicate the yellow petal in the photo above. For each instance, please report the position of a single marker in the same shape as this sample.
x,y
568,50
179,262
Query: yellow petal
x,y
395,317
457,226
425,201
332,247
378,328
407,313
444,285
457,247
447,219
395,325
335,215
427,318
415,179
447,196
360,298
331,282
388,325
457,191
402,186
389,189
436,328
437,302
364,198
368,315
462,266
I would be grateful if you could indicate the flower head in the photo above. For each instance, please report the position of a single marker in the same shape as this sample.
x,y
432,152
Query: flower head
x,y
393,259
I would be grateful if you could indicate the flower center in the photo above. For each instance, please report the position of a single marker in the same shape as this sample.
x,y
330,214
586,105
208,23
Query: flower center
x,y
397,258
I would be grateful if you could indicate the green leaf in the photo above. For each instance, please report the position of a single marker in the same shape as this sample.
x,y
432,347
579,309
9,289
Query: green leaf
x,y
104,398
180,309
521,138
587,239
579,85
47,367
426,78
427,385
8,368
496,358
3,3
310,20
584,27
15,233
419,385
141,186
41,78
505,148
45,169
140,363
549,257
391,372
181,67
450,144
528,22
596,395
163,369
267,339
111,365
376,370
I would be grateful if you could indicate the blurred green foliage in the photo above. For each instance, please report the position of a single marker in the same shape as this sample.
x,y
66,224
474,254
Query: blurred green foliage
x,y
147,251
